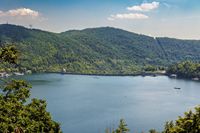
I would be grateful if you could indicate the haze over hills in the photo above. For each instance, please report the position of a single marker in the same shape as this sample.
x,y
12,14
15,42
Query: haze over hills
x,y
103,50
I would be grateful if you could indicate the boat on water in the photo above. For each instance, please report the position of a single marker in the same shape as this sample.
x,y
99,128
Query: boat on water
x,y
195,79
18,74
177,88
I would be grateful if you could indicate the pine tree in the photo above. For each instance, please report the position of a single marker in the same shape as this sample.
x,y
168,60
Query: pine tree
x,y
122,128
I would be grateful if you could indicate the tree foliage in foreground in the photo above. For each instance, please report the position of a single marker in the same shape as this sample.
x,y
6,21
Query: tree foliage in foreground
x,y
122,128
189,123
16,113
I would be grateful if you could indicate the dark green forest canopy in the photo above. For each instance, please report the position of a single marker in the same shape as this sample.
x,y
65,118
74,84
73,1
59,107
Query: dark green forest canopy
x,y
186,69
95,51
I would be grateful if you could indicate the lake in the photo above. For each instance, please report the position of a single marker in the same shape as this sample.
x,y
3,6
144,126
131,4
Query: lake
x,y
90,104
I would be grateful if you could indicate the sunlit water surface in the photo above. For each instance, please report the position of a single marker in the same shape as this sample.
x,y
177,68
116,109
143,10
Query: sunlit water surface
x,y
90,104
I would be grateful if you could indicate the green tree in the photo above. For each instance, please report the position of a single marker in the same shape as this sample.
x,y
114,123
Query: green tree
x,y
153,131
186,69
16,114
9,54
122,128
189,123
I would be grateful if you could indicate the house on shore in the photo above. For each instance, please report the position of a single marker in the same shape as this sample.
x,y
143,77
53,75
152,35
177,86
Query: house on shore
x,y
195,79
3,74
173,76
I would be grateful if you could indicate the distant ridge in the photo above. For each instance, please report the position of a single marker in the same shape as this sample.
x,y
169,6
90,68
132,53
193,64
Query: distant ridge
x,y
103,50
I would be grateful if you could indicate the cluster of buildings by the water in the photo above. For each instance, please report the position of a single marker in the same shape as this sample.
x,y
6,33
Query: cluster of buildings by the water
x,y
63,71
175,76
8,74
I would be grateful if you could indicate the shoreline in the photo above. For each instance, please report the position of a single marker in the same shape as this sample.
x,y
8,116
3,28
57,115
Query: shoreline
x,y
143,74
114,75
153,74
136,74
122,75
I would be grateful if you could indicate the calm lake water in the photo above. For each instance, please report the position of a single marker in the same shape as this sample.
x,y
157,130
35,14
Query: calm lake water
x,y
89,104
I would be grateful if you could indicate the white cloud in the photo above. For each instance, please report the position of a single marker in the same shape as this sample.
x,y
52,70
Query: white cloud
x,y
145,7
128,16
19,12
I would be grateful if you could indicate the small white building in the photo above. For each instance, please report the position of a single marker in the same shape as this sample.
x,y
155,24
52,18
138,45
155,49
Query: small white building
x,y
63,70
1,75
18,73
4,74
195,79
173,76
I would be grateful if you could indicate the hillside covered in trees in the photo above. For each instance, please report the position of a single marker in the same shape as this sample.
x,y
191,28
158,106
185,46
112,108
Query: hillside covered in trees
x,y
95,51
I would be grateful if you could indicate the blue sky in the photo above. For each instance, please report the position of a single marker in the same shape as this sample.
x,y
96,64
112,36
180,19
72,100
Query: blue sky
x,y
172,18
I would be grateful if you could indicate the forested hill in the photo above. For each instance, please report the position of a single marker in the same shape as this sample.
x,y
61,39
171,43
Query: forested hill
x,y
98,50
